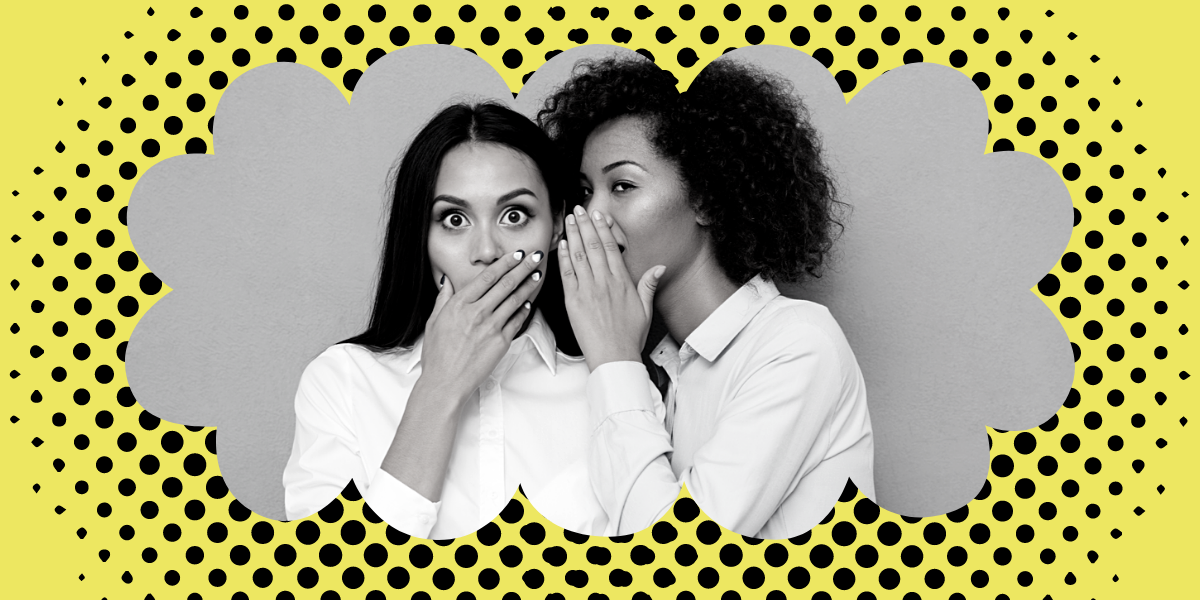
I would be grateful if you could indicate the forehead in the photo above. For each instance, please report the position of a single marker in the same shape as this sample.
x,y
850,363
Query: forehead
x,y
622,138
486,171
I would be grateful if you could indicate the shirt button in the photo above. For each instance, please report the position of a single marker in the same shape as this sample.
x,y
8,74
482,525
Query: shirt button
x,y
489,385
424,519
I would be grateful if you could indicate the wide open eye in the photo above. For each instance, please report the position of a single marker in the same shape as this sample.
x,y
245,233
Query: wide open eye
x,y
453,220
515,216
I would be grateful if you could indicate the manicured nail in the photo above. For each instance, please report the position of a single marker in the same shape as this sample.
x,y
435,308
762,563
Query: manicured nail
x,y
519,254
579,210
562,244
537,276
537,257
526,305
571,219
596,215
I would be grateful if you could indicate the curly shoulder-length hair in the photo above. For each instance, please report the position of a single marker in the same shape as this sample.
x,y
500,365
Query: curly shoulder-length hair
x,y
744,148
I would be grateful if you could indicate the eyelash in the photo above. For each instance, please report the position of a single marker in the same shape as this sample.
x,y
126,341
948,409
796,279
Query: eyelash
x,y
441,218
586,191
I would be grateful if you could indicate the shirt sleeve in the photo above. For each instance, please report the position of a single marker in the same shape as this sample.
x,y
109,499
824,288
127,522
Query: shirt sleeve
x,y
401,506
627,456
759,450
325,455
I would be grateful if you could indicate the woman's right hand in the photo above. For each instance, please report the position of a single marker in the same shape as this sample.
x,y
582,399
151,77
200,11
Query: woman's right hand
x,y
470,329
609,311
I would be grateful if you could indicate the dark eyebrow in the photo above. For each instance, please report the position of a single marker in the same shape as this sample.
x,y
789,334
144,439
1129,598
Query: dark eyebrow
x,y
501,200
621,163
514,194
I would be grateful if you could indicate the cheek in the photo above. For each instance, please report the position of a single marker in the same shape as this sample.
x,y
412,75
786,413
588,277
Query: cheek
x,y
536,236
446,256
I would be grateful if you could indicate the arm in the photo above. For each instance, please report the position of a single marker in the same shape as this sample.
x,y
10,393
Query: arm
x,y
627,457
760,449
325,454
465,337
420,453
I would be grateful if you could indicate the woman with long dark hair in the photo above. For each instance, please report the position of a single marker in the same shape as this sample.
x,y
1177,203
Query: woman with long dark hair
x,y
695,204
467,381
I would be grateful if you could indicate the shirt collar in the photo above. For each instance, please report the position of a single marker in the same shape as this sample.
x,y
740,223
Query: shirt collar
x,y
716,332
538,333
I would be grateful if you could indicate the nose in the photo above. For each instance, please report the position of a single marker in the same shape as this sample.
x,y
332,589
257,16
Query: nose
x,y
598,200
485,247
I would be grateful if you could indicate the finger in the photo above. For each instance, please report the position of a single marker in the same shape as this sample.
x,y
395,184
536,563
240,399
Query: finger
x,y
514,323
512,280
576,255
566,271
512,304
445,291
592,245
648,286
612,250
490,276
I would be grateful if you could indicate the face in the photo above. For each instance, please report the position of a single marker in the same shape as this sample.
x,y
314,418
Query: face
x,y
624,177
489,200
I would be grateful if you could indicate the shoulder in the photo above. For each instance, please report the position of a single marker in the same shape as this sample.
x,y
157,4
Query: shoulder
x,y
340,361
796,325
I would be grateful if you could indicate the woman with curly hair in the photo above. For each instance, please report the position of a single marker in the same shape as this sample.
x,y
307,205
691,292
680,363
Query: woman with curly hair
x,y
707,199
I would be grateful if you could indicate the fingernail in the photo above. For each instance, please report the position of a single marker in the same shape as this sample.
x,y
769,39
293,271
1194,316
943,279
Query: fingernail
x,y
562,244
519,254
537,257
537,276
596,215
579,210
571,219
526,305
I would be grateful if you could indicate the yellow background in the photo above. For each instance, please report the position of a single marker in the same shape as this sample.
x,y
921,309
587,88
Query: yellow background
x,y
48,46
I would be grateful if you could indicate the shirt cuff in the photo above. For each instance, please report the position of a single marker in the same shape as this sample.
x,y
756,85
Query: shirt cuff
x,y
400,506
622,386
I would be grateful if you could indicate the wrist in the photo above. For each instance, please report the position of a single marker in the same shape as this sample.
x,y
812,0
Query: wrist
x,y
448,392
595,361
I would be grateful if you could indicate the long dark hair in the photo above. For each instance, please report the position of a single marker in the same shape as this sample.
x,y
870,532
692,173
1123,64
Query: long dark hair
x,y
405,293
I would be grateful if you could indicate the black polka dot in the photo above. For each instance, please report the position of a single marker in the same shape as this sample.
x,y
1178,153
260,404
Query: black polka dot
x,y
512,58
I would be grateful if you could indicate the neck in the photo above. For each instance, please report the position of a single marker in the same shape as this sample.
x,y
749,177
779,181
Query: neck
x,y
686,298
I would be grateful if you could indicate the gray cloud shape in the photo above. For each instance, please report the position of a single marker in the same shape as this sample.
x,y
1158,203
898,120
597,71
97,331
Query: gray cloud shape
x,y
932,277
270,246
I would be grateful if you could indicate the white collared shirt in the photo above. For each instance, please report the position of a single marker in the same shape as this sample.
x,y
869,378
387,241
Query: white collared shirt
x,y
527,424
766,417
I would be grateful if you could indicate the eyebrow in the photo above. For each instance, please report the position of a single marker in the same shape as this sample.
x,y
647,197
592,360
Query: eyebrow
x,y
621,163
501,200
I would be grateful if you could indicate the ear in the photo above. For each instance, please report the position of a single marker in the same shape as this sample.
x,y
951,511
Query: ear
x,y
558,232
702,218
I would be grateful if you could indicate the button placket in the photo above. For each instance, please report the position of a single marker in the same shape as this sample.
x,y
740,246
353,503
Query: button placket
x,y
672,367
491,440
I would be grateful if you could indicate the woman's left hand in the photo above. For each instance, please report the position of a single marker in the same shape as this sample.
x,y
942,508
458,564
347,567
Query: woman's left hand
x,y
609,312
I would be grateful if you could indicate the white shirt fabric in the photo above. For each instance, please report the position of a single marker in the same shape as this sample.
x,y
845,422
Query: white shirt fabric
x,y
766,417
527,424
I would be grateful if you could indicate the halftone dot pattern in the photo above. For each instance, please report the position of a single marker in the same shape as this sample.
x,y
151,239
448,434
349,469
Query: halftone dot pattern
x,y
148,500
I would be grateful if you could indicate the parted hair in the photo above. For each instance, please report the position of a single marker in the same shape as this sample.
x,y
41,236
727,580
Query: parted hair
x,y
405,291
